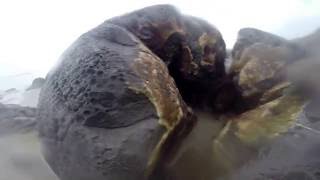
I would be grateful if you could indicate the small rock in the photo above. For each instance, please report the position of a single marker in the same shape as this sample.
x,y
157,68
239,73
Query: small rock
x,y
36,83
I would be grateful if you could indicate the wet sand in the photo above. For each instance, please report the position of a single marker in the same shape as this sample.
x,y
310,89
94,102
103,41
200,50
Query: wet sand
x,y
21,159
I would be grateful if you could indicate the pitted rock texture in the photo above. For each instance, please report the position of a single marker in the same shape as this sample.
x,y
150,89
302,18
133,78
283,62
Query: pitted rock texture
x,y
193,50
89,114
111,108
117,105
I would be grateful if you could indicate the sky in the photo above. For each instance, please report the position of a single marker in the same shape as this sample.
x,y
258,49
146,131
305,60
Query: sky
x,y
34,33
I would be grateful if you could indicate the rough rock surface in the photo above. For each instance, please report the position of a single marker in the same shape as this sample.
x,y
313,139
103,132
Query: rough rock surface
x,y
284,140
93,110
114,95
193,50
112,107
260,63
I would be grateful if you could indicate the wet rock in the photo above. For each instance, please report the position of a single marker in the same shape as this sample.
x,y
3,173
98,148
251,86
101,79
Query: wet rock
x,y
244,138
114,95
260,62
193,50
117,104
36,83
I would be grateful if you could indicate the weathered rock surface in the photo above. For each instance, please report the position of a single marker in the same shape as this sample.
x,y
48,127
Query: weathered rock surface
x,y
193,50
260,63
283,139
111,108
95,111
245,135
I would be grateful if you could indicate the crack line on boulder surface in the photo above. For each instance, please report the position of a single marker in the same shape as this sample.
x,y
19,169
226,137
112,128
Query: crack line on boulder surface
x,y
308,128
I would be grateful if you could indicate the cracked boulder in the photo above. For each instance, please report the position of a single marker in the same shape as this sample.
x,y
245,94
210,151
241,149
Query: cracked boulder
x,y
112,109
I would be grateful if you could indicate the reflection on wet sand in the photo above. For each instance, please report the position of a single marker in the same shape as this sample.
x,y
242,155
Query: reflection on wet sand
x,y
21,159
218,149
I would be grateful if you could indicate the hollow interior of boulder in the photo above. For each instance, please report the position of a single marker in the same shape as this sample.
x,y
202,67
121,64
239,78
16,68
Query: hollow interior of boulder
x,y
211,90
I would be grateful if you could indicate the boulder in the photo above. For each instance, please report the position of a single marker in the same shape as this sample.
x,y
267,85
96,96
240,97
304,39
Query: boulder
x,y
118,104
260,63
36,83
244,138
112,109
193,50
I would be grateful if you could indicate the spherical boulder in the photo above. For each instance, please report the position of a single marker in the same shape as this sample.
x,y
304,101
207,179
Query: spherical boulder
x,y
112,109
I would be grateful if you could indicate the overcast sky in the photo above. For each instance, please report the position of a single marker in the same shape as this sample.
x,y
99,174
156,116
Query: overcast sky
x,y
34,33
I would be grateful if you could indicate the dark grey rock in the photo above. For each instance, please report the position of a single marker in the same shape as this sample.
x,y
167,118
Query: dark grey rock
x,y
104,108
194,51
92,125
